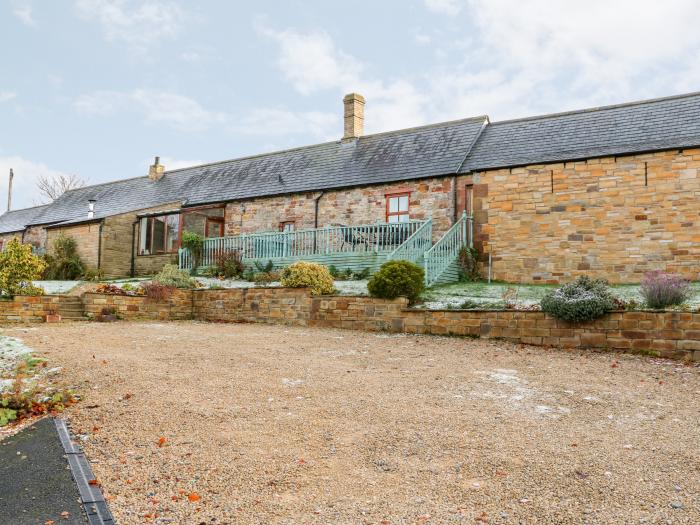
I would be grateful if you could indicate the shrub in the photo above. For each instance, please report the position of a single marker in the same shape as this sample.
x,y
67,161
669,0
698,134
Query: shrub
x,y
171,275
661,289
157,292
264,268
110,289
265,278
64,263
308,274
229,264
581,300
18,268
397,278
195,244
469,264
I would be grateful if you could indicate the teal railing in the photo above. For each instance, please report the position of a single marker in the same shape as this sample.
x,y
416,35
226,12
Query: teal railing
x,y
438,258
416,245
373,238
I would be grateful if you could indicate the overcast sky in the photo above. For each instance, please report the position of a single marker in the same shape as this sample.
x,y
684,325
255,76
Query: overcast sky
x,y
98,87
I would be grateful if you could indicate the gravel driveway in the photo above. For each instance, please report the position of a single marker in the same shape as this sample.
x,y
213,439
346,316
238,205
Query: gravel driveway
x,y
269,424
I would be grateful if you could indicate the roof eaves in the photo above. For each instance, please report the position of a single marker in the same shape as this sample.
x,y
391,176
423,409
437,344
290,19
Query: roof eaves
x,y
581,157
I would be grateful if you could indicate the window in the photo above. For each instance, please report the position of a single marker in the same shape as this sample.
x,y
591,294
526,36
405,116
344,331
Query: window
x,y
287,226
159,234
397,207
214,227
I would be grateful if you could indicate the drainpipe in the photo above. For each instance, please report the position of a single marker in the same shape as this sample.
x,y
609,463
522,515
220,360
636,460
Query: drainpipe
x,y
454,200
132,272
317,200
99,245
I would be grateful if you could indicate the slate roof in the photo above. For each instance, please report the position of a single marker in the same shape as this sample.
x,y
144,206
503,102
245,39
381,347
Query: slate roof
x,y
421,152
414,153
16,220
649,125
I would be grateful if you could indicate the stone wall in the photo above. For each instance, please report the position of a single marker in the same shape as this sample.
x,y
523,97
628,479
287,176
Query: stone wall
x,y
667,334
87,237
178,307
117,237
28,308
613,217
362,205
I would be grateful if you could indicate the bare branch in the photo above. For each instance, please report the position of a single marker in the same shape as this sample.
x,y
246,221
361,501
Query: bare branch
x,y
54,186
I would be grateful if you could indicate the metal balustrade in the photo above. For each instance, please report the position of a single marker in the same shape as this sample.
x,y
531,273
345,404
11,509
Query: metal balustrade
x,y
438,258
366,238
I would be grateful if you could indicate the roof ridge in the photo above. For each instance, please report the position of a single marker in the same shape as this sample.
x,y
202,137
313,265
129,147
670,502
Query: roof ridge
x,y
310,146
598,108
25,209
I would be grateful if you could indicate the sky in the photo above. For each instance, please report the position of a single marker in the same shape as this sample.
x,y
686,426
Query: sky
x,y
97,88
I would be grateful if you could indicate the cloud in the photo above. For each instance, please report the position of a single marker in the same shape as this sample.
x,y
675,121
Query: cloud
x,y
444,7
6,96
137,24
422,40
312,63
27,173
25,14
540,56
177,111
280,122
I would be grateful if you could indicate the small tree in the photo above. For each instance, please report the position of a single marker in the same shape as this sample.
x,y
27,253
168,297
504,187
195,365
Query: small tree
x,y
195,244
397,278
18,268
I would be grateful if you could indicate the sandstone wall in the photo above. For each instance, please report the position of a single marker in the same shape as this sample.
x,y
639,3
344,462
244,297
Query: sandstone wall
x,y
87,237
614,217
28,308
363,205
178,307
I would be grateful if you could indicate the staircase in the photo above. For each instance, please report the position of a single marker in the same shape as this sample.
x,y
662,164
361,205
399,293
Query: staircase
x,y
70,308
441,261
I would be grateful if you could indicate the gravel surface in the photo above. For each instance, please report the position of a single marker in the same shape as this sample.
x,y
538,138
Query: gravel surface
x,y
270,424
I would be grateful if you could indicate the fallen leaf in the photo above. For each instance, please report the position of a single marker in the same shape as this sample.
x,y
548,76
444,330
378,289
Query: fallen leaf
x,y
161,441
65,514
94,482
193,496
49,522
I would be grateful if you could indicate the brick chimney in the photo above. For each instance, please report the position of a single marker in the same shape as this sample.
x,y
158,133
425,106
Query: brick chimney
x,y
354,116
155,171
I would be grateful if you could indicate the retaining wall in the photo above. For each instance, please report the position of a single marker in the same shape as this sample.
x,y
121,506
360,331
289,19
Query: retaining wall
x,y
23,308
666,334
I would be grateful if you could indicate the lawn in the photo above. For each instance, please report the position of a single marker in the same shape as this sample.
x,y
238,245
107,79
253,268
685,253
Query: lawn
x,y
211,423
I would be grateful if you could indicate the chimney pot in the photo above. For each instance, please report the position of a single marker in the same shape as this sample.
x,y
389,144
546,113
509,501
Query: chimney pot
x,y
353,116
156,171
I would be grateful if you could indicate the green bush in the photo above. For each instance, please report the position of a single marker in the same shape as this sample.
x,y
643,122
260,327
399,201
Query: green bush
x,y
63,263
469,265
308,274
397,278
581,300
171,275
18,268
195,244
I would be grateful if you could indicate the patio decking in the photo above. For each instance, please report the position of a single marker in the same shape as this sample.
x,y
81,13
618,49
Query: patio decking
x,y
354,247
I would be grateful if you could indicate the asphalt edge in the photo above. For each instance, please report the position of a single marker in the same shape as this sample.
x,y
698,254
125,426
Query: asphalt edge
x,y
91,496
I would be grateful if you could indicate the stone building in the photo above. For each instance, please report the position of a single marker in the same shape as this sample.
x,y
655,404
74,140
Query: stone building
x,y
609,192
